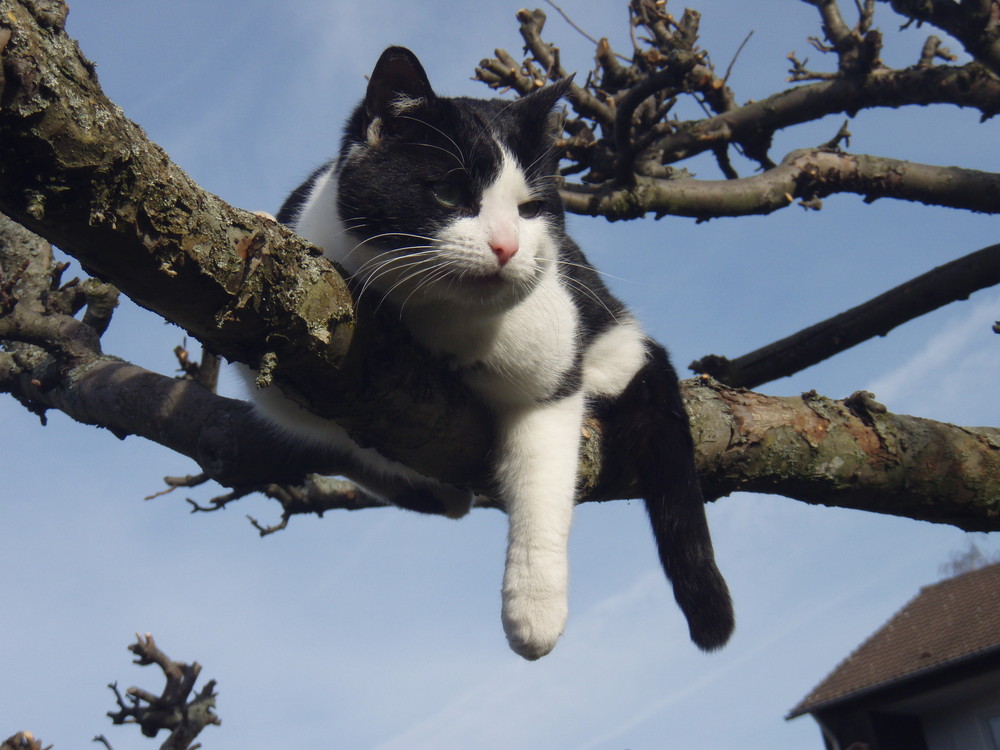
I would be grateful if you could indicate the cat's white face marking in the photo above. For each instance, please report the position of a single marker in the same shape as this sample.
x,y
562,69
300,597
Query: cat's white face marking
x,y
498,211
497,255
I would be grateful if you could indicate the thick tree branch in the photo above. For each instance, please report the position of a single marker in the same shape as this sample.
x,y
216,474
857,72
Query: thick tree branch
x,y
849,453
846,454
247,288
952,281
81,175
807,175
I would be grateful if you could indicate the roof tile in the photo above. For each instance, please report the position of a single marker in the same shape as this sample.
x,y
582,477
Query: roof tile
x,y
946,621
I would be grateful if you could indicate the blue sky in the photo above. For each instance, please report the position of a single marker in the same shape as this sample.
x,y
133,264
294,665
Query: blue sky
x,y
381,629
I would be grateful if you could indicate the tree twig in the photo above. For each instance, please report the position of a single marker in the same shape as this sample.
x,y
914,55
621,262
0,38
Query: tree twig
x,y
969,22
173,710
582,33
23,741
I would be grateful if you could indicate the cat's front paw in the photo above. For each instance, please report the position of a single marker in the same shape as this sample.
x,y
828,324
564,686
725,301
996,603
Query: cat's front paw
x,y
533,623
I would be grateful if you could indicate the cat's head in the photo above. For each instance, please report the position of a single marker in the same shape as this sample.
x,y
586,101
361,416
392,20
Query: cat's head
x,y
449,199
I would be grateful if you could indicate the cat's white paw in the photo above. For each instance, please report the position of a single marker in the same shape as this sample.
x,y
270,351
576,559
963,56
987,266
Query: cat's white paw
x,y
533,623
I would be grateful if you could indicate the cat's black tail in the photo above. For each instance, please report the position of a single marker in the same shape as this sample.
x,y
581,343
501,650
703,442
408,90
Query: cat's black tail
x,y
653,432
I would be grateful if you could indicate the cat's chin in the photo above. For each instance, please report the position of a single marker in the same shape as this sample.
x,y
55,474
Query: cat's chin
x,y
494,291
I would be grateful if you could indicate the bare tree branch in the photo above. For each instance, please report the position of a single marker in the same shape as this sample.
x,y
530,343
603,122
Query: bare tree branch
x,y
962,86
975,24
23,741
857,48
953,281
850,453
805,175
174,710
623,140
247,288
738,434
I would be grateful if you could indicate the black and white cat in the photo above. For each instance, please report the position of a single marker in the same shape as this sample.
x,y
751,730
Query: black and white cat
x,y
448,208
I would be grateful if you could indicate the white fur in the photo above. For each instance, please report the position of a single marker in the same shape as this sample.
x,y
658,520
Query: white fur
x,y
498,212
319,222
536,472
613,358
403,104
511,329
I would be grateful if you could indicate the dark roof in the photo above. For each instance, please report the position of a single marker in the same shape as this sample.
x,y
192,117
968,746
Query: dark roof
x,y
947,621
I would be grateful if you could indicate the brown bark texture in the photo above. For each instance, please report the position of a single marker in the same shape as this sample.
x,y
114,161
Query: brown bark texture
x,y
78,173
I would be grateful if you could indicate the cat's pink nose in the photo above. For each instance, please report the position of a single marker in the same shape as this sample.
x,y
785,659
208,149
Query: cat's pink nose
x,y
504,250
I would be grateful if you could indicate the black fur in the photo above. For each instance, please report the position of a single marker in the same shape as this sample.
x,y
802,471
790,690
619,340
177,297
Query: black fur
x,y
292,207
648,427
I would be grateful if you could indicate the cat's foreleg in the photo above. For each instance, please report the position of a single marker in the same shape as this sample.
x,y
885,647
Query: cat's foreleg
x,y
536,471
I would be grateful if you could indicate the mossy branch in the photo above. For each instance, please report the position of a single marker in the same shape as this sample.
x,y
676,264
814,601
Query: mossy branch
x,y
80,174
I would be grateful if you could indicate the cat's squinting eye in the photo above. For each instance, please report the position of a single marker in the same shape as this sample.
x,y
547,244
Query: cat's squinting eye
x,y
449,194
529,209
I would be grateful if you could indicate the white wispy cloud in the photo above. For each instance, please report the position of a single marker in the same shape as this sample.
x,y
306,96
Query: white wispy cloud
x,y
961,358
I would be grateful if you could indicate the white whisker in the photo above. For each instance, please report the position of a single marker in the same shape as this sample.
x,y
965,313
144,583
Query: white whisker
x,y
413,268
595,270
590,293
457,155
389,262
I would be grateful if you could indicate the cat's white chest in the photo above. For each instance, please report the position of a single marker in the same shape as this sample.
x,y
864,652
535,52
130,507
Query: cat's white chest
x,y
520,355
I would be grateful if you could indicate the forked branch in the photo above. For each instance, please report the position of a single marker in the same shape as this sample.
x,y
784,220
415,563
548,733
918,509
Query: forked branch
x,y
177,710
624,141
387,392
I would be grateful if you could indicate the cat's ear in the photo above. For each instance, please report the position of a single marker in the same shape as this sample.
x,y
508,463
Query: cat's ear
x,y
542,100
397,82
537,108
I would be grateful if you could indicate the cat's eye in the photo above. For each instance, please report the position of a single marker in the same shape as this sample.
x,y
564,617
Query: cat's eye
x,y
529,209
449,194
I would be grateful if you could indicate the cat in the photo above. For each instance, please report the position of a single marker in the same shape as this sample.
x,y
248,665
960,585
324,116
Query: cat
x,y
448,208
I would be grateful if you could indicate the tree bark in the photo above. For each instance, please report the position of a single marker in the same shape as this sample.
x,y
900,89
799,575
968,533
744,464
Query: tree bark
x,y
942,285
850,453
805,174
81,175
